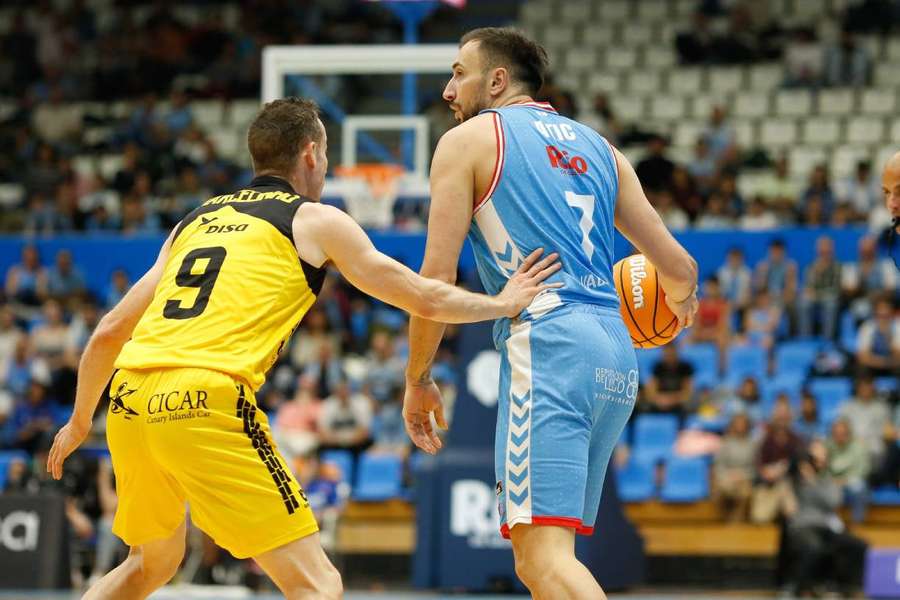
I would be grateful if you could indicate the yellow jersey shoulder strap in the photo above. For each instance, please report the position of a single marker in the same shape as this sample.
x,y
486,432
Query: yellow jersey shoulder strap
x,y
271,199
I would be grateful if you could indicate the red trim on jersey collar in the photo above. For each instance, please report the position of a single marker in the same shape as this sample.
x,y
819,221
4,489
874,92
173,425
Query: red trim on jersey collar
x,y
542,105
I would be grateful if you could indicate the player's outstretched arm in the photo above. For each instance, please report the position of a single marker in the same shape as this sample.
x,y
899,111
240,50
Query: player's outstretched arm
x,y
96,366
642,225
343,241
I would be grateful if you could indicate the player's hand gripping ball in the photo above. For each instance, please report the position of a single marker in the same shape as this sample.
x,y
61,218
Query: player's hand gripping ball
x,y
649,319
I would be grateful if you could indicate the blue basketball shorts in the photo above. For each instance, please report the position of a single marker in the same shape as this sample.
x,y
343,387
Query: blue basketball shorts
x,y
568,384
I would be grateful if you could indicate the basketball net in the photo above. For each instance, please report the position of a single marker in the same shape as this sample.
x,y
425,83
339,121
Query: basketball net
x,y
381,178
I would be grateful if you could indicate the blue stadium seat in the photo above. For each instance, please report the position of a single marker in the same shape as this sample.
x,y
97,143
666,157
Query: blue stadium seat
x,y
686,480
646,360
654,436
885,496
847,331
796,356
831,390
746,360
636,481
380,478
343,459
7,457
706,379
703,357
886,385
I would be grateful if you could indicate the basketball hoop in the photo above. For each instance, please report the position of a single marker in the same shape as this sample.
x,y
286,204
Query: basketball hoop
x,y
381,178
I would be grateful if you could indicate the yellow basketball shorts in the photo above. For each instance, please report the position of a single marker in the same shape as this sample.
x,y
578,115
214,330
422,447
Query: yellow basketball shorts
x,y
195,436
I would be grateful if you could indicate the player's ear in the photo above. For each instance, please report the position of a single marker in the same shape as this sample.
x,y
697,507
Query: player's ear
x,y
309,155
499,81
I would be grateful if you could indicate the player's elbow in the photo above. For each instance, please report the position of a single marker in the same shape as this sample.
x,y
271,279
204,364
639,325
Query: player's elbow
x,y
425,306
110,330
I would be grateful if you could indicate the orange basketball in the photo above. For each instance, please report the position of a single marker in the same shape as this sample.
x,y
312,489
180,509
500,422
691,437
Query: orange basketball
x,y
649,319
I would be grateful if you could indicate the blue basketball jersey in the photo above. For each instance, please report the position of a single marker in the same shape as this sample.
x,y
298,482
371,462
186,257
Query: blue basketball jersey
x,y
554,186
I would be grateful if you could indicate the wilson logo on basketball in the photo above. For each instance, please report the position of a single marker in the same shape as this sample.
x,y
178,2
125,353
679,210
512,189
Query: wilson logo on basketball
x,y
638,273
559,159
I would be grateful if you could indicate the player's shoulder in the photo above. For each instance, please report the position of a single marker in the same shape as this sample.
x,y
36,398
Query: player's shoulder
x,y
471,135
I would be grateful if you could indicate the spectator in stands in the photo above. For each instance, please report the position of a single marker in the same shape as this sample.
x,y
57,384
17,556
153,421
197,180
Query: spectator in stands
x,y
26,282
51,336
118,286
735,278
110,549
886,472
733,469
713,320
695,45
779,190
296,421
867,414
808,426
316,330
685,193
603,120
10,334
671,386
345,420
82,325
758,217
384,369
746,401
669,212
326,495
734,201
715,215
868,278
703,167
64,280
327,371
32,419
848,463
861,191
816,534
819,187
813,212
721,138
655,169
136,219
777,274
762,321
878,341
389,431
847,63
820,298
16,373
804,62
773,495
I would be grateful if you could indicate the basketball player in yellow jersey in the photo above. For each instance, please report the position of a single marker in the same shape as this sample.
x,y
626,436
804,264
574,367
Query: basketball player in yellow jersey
x,y
192,341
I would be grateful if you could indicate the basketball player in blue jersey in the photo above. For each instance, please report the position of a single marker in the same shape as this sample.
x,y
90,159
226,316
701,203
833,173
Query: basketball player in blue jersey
x,y
514,176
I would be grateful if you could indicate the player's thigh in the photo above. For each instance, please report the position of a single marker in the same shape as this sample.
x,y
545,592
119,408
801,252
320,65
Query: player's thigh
x,y
614,391
547,426
208,432
301,565
151,503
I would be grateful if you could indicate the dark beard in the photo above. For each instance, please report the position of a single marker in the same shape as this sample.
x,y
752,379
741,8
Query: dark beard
x,y
477,107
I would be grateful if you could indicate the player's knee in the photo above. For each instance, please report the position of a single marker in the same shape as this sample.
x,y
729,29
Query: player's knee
x,y
158,570
327,585
530,565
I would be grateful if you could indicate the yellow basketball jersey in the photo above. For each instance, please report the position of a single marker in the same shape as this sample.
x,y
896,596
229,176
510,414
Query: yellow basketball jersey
x,y
233,289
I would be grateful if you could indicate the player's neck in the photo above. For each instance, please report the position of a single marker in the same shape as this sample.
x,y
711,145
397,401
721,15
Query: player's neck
x,y
295,181
511,99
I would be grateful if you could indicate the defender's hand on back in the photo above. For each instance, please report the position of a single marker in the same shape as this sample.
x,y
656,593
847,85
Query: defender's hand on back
x,y
526,282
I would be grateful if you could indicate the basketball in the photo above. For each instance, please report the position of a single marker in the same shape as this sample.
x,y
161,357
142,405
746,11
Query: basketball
x,y
649,319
